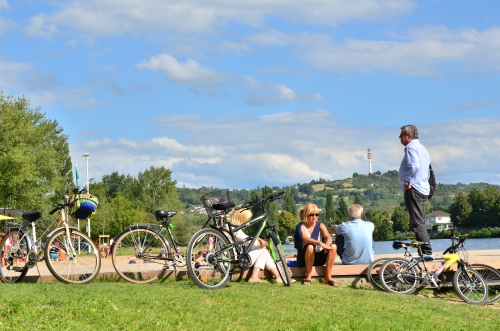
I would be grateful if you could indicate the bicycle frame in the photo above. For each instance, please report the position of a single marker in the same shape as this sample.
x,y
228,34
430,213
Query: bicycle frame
x,y
450,255
247,247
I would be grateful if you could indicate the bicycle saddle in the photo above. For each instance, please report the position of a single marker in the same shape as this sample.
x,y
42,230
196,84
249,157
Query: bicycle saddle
x,y
223,206
33,216
164,213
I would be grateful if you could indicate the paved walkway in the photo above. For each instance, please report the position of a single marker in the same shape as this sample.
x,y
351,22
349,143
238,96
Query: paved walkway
x,y
490,257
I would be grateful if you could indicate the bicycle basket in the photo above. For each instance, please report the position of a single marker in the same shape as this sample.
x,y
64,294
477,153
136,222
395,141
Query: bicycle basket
x,y
210,199
84,205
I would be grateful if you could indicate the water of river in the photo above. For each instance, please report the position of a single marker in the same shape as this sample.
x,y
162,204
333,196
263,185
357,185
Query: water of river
x,y
438,245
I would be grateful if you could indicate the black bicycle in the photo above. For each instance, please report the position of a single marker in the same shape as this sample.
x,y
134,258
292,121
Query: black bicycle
x,y
216,253
142,254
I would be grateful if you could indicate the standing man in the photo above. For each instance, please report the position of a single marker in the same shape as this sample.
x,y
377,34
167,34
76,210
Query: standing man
x,y
414,182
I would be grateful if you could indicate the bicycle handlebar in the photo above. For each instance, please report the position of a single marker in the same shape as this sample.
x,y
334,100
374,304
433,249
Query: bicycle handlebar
x,y
270,198
59,207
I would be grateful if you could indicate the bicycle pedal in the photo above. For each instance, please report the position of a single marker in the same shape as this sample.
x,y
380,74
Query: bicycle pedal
x,y
17,269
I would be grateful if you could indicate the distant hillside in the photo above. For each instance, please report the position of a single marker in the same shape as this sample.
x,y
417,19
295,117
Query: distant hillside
x,y
375,191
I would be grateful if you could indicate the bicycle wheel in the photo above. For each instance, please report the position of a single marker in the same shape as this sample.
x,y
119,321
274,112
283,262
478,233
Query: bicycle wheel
x,y
138,256
470,286
72,259
492,278
399,277
279,259
13,257
374,267
210,269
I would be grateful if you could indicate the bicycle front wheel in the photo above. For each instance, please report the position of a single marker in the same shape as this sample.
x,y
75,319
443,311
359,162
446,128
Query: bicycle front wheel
x,y
470,286
374,268
279,259
140,256
209,265
72,258
492,278
399,277
13,256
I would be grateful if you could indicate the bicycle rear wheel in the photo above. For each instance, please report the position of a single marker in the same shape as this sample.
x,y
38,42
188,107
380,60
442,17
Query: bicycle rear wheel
x,y
209,268
374,267
138,257
492,278
399,277
279,259
470,286
72,259
13,257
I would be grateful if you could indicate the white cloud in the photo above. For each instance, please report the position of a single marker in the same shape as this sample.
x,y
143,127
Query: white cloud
x,y
4,4
190,72
5,24
419,53
109,17
258,94
294,147
236,48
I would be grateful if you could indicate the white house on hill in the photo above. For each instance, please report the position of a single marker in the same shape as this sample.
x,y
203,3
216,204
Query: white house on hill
x,y
438,217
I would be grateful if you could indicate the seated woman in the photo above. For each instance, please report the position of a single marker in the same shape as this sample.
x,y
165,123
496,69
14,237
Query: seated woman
x,y
261,259
311,251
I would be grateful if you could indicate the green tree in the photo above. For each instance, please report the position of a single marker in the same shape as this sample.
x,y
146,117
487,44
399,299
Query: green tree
x,y
34,157
460,211
329,209
287,221
342,213
154,189
272,207
289,204
124,214
383,227
117,184
357,200
400,220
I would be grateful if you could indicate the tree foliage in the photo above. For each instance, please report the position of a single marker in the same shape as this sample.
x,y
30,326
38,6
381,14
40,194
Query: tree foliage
x,y
154,189
329,209
342,213
400,219
289,205
34,157
287,221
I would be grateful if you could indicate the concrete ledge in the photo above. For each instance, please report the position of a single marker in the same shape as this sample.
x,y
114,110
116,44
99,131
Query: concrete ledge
x,y
351,273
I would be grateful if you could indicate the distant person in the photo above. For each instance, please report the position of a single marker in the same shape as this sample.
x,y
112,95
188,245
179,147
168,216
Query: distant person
x,y
354,239
311,251
414,182
261,259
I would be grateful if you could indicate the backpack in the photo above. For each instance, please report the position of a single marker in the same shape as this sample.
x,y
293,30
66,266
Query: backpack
x,y
432,182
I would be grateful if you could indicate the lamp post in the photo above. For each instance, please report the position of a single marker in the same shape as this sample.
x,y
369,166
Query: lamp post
x,y
86,157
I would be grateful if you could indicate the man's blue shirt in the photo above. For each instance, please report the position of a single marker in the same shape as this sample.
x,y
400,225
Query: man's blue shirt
x,y
358,241
415,167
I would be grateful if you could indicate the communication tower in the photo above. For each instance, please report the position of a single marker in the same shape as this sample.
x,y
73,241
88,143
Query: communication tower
x,y
370,159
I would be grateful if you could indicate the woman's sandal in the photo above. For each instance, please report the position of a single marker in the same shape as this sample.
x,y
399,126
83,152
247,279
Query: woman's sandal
x,y
306,282
332,283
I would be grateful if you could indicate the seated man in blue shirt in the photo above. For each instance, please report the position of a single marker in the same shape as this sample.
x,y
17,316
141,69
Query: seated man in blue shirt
x,y
354,239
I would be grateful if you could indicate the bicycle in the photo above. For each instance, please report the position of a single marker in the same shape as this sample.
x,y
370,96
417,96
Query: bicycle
x,y
374,268
216,254
141,253
403,276
70,255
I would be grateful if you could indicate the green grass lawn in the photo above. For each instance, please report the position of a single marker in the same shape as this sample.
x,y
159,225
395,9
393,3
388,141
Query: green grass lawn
x,y
181,305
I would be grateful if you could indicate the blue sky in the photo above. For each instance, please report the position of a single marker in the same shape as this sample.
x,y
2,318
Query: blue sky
x,y
247,93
